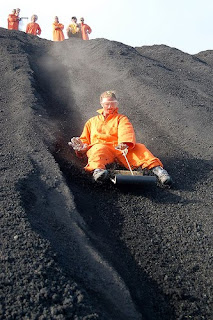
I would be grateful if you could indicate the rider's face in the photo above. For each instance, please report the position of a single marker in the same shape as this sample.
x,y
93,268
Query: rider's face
x,y
109,105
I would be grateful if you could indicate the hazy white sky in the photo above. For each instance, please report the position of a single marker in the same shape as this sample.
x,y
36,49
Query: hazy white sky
x,y
184,24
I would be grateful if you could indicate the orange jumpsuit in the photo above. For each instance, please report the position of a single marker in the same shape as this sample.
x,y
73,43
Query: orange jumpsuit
x,y
102,135
57,31
33,28
13,22
85,30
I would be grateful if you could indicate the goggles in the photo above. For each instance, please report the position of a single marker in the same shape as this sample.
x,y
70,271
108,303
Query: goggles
x,y
109,102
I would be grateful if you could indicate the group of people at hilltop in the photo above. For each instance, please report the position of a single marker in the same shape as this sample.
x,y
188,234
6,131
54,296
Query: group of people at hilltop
x,y
14,20
78,30
74,30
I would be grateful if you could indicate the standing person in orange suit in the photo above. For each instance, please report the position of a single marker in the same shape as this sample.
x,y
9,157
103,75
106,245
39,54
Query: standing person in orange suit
x,y
33,27
105,135
13,21
85,30
58,34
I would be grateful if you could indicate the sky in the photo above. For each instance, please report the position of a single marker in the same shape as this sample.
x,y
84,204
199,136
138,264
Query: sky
x,y
184,24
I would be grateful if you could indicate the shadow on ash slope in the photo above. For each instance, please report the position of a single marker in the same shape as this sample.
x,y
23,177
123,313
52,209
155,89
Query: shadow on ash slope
x,y
120,245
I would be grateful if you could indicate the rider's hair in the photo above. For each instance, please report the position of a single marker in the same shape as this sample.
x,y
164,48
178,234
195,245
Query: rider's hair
x,y
108,94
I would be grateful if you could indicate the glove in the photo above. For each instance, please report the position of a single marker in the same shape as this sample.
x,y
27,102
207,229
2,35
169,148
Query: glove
x,y
78,145
121,146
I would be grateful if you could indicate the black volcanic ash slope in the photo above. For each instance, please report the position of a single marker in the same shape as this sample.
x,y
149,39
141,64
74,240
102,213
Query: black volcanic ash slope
x,y
74,249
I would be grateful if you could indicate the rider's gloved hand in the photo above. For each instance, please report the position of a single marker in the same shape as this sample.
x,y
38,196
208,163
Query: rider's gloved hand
x,y
78,145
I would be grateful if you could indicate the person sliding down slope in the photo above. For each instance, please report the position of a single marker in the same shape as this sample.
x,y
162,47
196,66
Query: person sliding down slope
x,y
110,129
